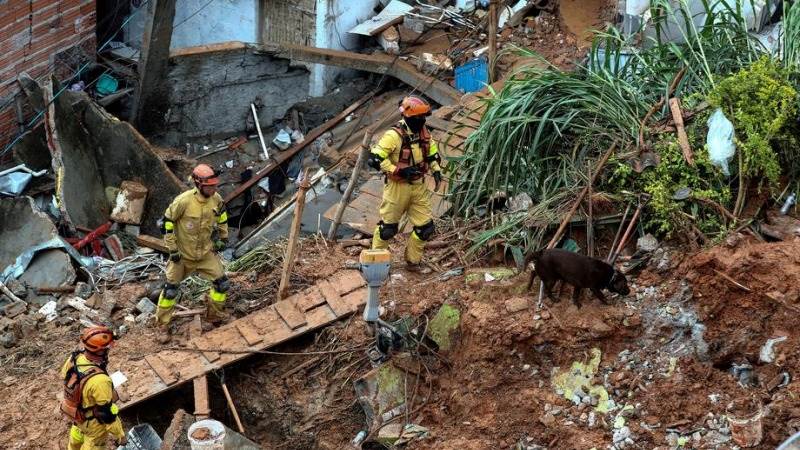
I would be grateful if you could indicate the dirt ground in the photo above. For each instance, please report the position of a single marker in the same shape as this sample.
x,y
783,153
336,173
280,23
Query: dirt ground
x,y
667,353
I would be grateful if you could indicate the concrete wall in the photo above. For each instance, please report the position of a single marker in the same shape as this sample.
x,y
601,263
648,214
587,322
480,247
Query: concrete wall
x,y
212,89
334,18
219,21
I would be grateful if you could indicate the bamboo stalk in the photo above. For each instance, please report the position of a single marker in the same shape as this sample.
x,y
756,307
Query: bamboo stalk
x,y
579,200
232,408
294,232
619,232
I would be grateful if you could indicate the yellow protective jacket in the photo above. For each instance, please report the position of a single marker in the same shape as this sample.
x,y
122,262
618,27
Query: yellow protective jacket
x,y
189,222
98,390
390,144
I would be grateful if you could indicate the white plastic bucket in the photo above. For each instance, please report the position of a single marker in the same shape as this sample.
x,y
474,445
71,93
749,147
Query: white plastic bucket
x,y
210,435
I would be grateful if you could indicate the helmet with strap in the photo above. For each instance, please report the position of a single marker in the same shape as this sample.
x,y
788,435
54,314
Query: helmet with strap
x,y
204,175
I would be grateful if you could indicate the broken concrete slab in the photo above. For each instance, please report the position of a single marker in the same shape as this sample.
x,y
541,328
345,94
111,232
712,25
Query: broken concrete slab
x,y
92,150
129,204
444,325
24,229
381,394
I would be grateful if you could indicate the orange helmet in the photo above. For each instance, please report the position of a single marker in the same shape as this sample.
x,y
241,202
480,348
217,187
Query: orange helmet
x,y
204,175
97,338
414,106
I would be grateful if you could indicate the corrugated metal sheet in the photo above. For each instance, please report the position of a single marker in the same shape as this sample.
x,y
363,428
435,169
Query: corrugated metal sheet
x,y
289,21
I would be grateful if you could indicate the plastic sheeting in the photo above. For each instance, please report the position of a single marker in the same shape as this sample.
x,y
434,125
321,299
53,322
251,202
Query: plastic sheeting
x,y
721,147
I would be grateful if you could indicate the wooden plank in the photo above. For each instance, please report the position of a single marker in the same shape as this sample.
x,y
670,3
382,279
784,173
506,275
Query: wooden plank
x,y
201,343
163,372
347,281
144,382
202,407
290,314
331,295
310,299
250,333
285,155
144,240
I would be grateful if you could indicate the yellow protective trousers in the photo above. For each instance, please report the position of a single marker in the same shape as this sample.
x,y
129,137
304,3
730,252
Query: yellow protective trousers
x,y
92,435
209,267
412,199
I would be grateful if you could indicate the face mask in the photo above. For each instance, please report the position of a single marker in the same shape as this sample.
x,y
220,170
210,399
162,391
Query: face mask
x,y
415,123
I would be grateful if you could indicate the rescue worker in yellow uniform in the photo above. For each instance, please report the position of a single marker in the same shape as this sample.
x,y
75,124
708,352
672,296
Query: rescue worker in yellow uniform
x,y
188,226
89,394
405,153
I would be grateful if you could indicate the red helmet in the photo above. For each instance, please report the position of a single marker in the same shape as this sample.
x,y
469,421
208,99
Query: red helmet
x,y
97,338
204,175
414,106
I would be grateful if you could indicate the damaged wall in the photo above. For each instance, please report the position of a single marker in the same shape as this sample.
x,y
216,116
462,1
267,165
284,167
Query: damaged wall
x,y
212,88
199,22
93,150
334,18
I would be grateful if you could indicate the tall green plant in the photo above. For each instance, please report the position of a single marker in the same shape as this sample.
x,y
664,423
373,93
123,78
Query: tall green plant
x,y
544,116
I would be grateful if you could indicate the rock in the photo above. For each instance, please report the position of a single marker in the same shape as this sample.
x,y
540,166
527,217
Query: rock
x,y
548,420
647,243
526,367
517,304
41,300
145,306
83,290
17,288
94,301
592,419
24,327
584,417
714,437
621,434
14,309
389,434
108,304
8,340
555,411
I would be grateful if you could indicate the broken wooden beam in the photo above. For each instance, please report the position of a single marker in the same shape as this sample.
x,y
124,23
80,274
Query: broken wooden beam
x,y
145,240
202,407
442,93
294,234
286,155
683,139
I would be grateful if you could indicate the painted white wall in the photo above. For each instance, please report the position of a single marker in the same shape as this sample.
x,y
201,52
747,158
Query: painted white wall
x,y
200,22
334,18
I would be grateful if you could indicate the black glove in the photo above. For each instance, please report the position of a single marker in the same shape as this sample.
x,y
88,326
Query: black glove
x,y
408,173
437,177
174,256
220,244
